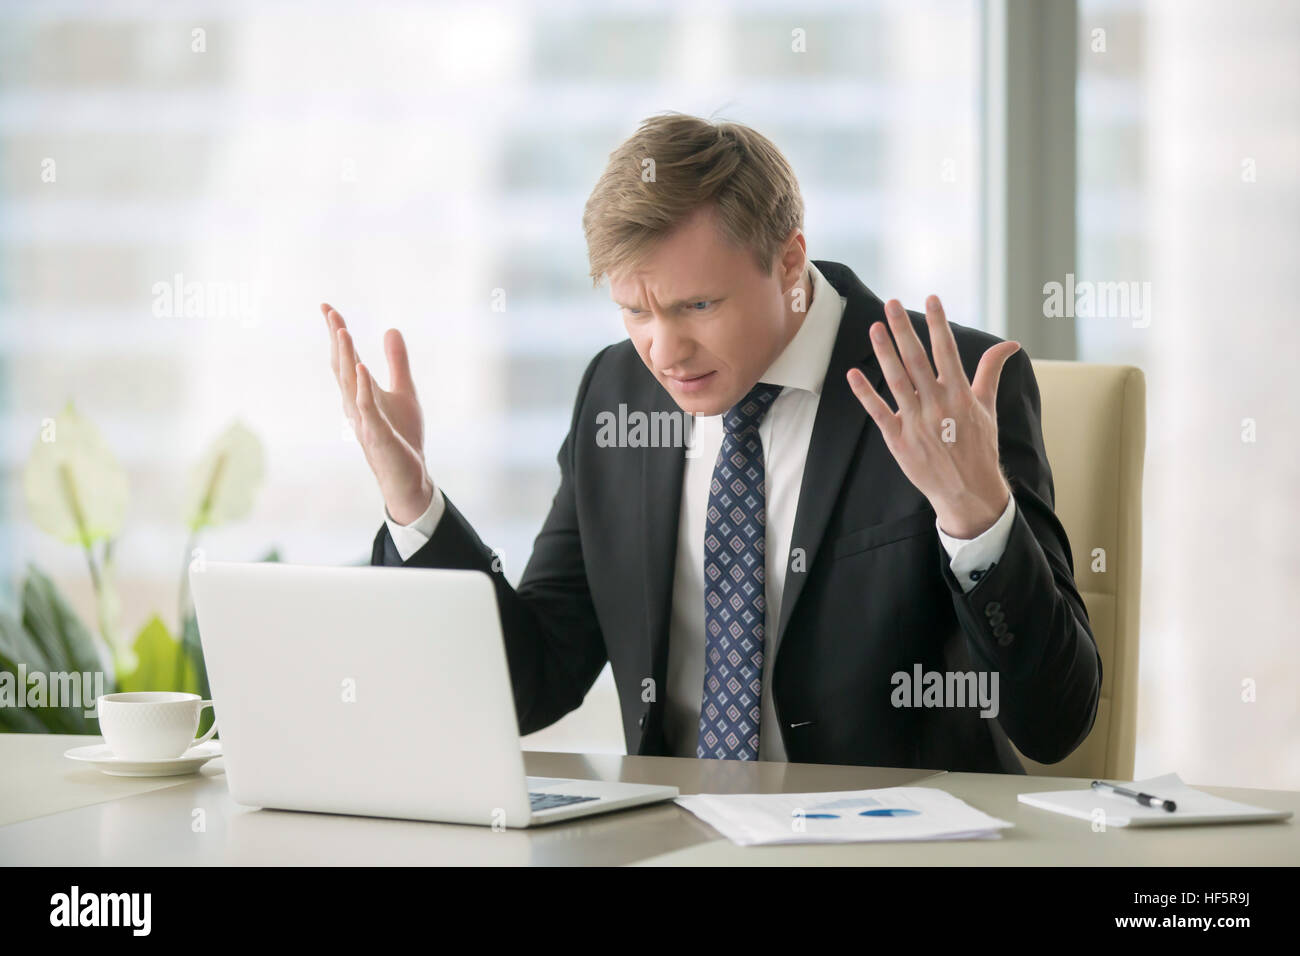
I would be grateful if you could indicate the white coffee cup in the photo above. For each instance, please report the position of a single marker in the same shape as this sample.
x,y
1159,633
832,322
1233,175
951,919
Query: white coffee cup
x,y
151,725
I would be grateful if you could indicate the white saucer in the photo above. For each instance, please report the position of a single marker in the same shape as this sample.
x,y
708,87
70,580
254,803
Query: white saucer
x,y
101,757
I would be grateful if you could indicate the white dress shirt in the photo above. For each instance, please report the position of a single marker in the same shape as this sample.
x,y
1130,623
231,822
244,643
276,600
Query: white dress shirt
x,y
785,432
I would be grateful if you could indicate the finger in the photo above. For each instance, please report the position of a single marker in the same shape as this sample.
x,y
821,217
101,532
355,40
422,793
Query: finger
x,y
379,434
329,311
899,382
333,329
348,373
399,364
942,345
334,322
332,317
875,405
367,407
910,348
989,373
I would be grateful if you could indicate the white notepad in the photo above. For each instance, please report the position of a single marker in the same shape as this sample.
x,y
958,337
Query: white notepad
x,y
1193,805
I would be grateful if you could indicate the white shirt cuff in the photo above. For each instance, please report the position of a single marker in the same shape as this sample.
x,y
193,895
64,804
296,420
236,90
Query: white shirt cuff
x,y
410,538
971,558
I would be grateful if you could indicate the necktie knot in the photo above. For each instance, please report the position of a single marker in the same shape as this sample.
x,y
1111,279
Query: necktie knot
x,y
749,411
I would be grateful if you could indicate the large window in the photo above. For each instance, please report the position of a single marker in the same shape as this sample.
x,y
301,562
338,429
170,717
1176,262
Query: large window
x,y
419,166
1189,185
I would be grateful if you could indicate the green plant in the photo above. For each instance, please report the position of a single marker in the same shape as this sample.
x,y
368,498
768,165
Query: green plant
x,y
77,492
46,638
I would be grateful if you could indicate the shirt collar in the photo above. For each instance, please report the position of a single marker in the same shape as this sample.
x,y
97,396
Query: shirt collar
x,y
804,361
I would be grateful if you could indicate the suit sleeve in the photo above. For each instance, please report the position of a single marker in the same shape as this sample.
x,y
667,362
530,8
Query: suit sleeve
x,y
1025,618
553,641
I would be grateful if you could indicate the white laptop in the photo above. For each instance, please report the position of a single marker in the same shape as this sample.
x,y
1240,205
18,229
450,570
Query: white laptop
x,y
378,692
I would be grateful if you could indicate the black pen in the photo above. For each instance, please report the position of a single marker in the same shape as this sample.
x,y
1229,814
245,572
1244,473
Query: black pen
x,y
1146,799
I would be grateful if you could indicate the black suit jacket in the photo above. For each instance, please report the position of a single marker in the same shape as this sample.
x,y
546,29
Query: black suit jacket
x,y
876,595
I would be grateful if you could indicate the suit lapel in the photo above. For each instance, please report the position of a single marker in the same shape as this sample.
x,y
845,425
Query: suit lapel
x,y
836,429
661,505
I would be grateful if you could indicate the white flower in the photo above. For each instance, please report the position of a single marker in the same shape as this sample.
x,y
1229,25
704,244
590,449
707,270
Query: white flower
x,y
225,481
75,488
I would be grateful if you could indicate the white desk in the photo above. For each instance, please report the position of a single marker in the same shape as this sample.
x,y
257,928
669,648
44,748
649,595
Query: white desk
x,y
56,812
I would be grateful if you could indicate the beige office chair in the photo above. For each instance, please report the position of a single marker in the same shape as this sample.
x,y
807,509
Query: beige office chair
x,y
1094,427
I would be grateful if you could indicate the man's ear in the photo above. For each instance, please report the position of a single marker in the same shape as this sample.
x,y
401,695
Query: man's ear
x,y
793,261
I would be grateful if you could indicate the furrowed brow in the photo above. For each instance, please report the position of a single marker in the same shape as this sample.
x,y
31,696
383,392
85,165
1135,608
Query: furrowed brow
x,y
689,300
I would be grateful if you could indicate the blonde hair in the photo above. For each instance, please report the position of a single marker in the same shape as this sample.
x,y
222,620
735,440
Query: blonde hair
x,y
675,164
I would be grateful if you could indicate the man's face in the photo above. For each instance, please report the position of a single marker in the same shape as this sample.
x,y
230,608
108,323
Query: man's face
x,y
703,317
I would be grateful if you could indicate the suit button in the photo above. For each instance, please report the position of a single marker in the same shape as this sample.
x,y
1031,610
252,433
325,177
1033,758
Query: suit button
x,y
992,608
997,619
1001,629
640,721
1006,639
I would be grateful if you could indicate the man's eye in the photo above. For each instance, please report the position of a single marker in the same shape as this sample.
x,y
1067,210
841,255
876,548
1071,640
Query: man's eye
x,y
700,306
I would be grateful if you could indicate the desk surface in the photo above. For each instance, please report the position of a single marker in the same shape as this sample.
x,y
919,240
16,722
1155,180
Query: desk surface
x,y
56,812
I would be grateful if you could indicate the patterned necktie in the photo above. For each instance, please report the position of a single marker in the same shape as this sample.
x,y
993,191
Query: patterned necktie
x,y
734,604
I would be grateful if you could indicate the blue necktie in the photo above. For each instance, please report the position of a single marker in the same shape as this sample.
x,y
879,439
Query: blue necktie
x,y
734,603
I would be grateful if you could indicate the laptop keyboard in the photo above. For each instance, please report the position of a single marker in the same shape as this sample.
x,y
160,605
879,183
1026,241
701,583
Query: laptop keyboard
x,y
549,801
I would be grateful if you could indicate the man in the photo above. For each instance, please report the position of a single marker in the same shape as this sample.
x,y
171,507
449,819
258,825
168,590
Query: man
x,y
866,497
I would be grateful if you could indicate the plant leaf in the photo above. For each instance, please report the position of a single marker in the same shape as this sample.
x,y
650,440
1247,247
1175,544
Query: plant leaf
x,y
16,646
75,488
19,646
55,627
160,658
194,651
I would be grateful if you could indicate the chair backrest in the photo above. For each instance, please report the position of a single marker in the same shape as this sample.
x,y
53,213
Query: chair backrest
x,y
1094,428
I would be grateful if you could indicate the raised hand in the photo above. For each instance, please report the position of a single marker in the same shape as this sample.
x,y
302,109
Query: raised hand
x,y
388,423
944,435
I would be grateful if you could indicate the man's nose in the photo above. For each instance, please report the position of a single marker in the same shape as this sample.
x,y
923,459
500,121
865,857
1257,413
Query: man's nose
x,y
669,349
